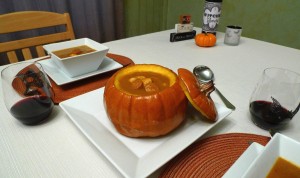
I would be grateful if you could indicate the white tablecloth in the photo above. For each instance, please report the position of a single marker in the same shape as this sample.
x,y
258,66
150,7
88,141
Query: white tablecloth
x,y
58,149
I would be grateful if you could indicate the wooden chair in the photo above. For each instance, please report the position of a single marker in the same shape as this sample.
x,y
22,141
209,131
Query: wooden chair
x,y
28,20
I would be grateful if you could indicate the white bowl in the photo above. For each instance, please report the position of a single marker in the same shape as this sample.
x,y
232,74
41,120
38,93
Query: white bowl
x,y
80,64
244,161
279,145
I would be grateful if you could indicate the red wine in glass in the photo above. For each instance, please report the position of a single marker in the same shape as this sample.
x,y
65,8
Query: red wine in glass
x,y
270,115
32,110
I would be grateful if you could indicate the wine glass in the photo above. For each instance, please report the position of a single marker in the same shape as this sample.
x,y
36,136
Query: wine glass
x,y
276,98
27,92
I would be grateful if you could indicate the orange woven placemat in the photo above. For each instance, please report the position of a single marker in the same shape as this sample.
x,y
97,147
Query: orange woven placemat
x,y
71,90
211,157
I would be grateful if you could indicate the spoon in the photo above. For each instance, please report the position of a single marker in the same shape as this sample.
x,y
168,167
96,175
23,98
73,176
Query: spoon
x,y
204,74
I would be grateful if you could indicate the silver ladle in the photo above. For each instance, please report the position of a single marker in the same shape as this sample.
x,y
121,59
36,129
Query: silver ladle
x,y
204,74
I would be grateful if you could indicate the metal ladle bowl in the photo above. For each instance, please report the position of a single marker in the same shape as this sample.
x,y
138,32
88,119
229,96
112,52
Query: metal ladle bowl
x,y
204,74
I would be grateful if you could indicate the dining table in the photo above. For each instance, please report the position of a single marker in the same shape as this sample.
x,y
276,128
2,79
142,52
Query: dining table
x,y
58,148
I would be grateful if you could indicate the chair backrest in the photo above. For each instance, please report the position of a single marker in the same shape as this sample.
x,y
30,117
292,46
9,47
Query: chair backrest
x,y
28,20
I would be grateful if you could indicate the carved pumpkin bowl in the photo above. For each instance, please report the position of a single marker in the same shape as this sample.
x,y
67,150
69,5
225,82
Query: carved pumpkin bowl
x,y
145,100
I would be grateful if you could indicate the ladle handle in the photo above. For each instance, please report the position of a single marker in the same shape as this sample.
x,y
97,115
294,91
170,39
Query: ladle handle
x,y
226,102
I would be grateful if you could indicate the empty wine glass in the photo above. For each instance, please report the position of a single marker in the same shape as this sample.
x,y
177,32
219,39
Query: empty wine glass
x,y
27,92
276,98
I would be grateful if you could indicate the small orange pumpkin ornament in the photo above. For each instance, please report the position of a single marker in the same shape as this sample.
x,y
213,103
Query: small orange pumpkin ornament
x,y
205,39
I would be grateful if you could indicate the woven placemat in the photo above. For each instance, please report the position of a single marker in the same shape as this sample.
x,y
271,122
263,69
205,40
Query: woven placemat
x,y
211,157
67,91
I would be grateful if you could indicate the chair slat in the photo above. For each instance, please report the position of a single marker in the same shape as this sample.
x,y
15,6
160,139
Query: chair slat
x,y
12,57
40,51
26,20
35,41
26,53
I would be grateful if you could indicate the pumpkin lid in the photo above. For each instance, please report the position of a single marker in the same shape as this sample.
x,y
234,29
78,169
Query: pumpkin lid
x,y
199,98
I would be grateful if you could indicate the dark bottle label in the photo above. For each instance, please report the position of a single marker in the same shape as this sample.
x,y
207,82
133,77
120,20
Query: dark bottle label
x,y
211,15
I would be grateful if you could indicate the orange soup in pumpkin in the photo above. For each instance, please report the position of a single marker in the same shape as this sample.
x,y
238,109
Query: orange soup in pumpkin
x,y
144,83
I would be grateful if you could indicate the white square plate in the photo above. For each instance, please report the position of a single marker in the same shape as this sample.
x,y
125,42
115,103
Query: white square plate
x,y
244,161
133,157
60,78
279,146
